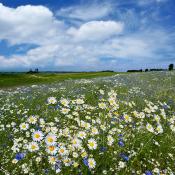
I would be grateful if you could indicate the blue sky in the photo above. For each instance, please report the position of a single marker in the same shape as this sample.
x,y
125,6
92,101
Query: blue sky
x,y
86,35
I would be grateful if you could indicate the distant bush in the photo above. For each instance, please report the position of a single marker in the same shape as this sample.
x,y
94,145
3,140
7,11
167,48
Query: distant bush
x,y
140,70
107,71
33,72
157,69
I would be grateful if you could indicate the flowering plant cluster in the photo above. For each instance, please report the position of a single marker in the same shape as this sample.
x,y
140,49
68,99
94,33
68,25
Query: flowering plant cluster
x,y
80,134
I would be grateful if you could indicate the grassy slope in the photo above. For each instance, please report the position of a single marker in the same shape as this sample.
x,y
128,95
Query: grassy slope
x,y
11,80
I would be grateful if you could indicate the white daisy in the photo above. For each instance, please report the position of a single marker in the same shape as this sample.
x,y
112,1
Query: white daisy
x,y
101,92
76,142
37,136
62,151
110,140
52,160
94,131
92,144
82,135
121,164
112,101
65,110
87,125
149,128
102,105
91,163
50,139
127,118
67,161
79,101
33,146
51,100
159,129
52,149
32,119
64,102
24,126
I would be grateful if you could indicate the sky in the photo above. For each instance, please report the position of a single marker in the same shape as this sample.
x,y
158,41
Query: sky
x,y
86,35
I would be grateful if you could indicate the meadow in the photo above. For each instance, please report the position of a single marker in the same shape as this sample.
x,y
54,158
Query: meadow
x,y
122,124
22,79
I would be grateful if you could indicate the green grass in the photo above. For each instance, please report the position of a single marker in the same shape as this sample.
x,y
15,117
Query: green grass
x,y
20,79
132,101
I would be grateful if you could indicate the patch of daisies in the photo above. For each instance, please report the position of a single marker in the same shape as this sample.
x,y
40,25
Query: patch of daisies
x,y
71,134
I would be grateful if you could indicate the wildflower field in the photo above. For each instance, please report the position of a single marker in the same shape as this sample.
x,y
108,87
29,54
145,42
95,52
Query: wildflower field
x,y
118,125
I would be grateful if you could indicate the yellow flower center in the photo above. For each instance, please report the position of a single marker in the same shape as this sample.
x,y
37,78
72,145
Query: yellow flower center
x,y
61,150
33,147
32,119
74,142
37,136
49,139
91,144
51,148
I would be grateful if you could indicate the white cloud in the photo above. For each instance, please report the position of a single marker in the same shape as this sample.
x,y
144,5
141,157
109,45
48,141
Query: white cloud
x,y
138,48
86,12
148,2
96,30
28,24
82,46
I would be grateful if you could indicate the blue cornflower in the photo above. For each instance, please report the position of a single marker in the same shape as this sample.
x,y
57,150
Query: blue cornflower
x,y
121,143
46,171
58,165
122,117
120,139
19,156
103,149
148,172
124,156
57,106
165,106
100,97
113,119
85,161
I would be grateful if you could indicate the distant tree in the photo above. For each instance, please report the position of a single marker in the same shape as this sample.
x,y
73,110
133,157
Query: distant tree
x,y
107,71
171,66
157,69
140,70
36,70
33,72
146,70
30,71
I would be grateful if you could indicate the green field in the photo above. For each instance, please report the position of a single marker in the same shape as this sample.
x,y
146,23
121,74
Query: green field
x,y
18,79
116,125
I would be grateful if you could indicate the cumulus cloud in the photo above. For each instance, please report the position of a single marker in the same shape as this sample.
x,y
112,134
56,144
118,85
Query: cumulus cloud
x,y
92,44
28,24
96,30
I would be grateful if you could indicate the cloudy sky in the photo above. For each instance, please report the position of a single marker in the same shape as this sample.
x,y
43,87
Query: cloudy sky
x,y
86,35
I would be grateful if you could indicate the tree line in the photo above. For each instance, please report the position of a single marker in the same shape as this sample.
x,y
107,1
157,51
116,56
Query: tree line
x,y
170,68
